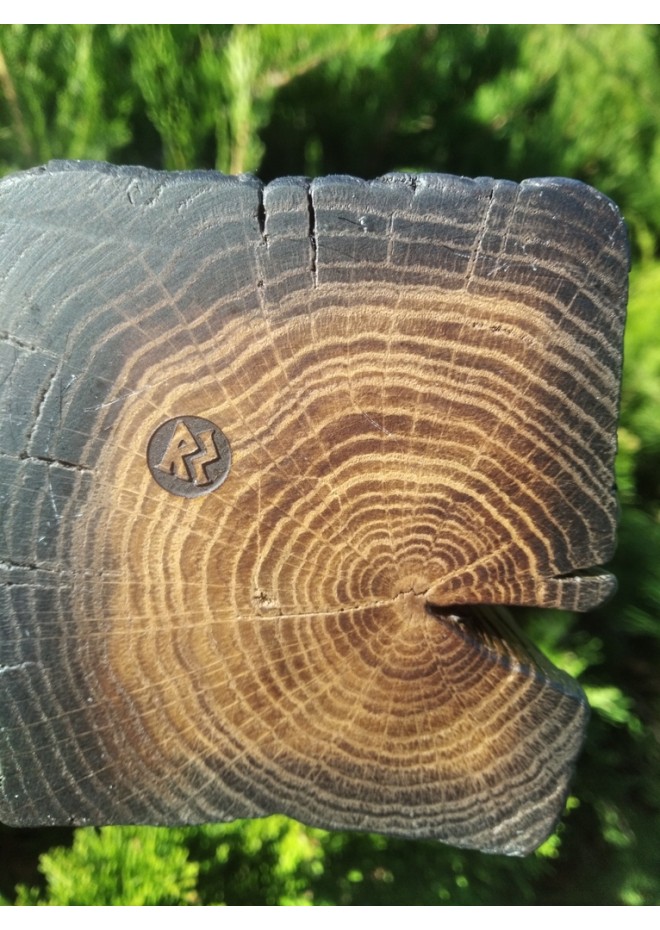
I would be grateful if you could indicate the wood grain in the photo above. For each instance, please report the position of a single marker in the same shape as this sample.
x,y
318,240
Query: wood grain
x,y
417,379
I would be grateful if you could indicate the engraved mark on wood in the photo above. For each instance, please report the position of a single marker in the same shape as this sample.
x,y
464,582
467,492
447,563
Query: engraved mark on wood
x,y
189,456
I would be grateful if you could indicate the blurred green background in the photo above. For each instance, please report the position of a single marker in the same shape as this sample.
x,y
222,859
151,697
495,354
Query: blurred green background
x,y
505,101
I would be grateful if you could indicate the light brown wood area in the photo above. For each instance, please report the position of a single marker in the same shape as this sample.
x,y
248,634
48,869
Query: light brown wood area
x,y
268,455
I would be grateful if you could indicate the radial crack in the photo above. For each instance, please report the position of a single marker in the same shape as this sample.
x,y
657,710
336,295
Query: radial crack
x,y
313,237
261,215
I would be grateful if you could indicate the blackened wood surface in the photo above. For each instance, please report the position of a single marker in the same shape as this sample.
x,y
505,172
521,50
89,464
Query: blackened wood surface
x,y
266,454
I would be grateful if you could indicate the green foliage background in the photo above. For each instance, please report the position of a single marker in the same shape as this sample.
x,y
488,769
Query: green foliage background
x,y
508,101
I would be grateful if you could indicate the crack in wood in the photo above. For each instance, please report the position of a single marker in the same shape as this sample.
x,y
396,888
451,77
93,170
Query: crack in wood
x,y
41,400
313,237
50,462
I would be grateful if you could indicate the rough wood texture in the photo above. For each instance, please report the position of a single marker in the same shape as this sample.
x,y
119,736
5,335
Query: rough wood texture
x,y
410,389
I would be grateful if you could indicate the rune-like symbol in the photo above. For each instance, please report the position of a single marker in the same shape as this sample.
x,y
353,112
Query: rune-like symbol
x,y
189,456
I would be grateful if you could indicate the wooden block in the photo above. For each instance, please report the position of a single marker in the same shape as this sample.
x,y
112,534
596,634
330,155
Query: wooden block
x,y
273,461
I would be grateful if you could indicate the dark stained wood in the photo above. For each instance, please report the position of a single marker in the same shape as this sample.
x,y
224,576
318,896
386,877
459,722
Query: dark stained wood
x,y
267,456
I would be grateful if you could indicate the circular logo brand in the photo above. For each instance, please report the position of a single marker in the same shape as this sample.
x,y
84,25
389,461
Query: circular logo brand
x,y
189,456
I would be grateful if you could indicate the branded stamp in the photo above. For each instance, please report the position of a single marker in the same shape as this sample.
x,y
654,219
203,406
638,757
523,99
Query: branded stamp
x,y
189,456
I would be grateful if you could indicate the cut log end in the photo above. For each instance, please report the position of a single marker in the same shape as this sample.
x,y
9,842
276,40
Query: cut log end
x,y
258,489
